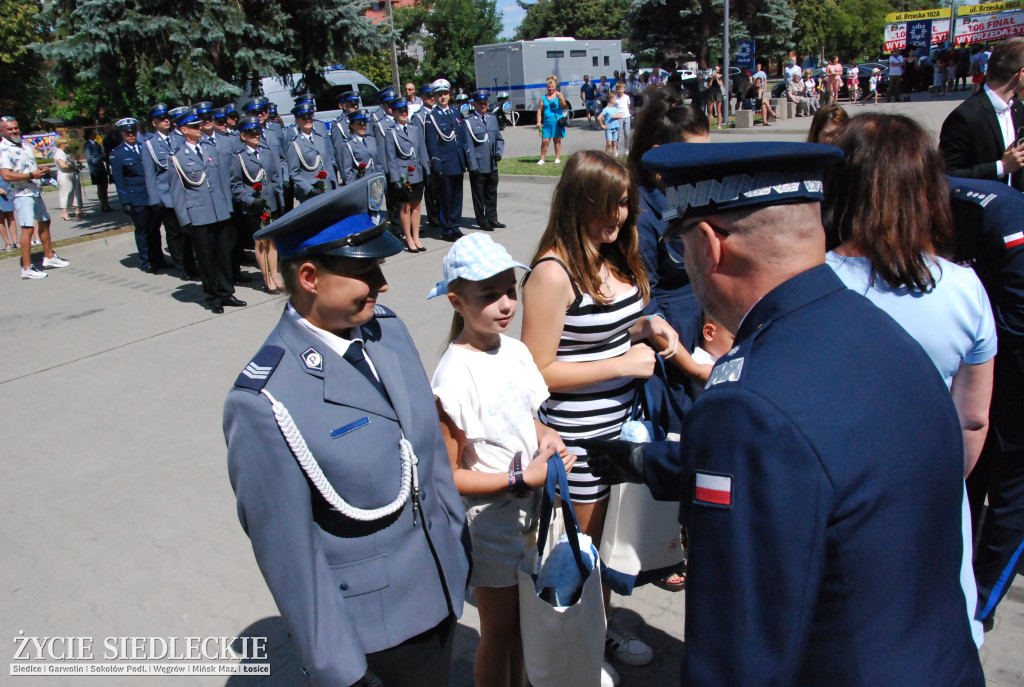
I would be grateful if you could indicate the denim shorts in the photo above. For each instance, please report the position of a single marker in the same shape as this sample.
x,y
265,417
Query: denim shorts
x,y
30,209
611,135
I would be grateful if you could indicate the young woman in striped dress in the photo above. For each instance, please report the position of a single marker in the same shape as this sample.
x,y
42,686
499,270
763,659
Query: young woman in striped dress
x,y
583,323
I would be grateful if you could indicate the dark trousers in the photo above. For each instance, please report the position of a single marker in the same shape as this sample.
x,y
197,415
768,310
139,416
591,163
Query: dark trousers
x,y
484,188
179,242
430,194
421,661
100,179
212,243
147,236
450,201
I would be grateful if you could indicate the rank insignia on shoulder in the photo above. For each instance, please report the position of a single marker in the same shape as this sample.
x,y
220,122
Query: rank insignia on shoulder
x,y
313,359
259,369
713,490
728,371
381,311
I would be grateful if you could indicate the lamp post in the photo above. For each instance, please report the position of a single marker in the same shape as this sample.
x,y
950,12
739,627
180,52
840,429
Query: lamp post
x,y
727,96
394,49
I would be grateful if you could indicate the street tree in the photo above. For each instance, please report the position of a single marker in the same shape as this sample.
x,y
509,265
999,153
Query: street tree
x,y
599,19
452,28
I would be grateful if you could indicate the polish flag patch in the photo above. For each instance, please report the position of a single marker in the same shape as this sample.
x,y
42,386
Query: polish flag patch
x,y
1014,239
713,490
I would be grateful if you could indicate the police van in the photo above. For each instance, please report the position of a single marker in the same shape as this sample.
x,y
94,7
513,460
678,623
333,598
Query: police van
x,y
282,91
522,67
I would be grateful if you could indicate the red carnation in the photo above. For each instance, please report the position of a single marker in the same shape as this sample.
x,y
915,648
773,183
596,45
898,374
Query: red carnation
x,y
362,165
257,187
321,174
410,168
265,216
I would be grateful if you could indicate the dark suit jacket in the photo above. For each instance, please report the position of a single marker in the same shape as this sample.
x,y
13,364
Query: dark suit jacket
x,y
971,141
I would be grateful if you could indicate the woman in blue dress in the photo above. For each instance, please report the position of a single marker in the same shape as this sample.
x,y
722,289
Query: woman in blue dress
x,y
549,111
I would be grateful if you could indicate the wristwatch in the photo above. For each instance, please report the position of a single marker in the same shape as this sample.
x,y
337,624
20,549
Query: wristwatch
x,y
516,483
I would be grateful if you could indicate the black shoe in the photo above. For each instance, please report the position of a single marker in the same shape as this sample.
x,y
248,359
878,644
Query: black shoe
x,y
217,309
233,302
498,225
148,269
421,249
452,236
486,227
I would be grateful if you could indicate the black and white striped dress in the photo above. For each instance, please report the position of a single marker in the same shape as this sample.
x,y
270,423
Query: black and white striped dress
x,y
592,332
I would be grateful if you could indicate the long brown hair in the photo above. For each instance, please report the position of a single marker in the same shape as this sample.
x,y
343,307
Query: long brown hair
x,y
589,192
889,199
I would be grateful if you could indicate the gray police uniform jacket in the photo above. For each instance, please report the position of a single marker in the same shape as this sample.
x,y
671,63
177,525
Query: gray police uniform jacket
x,y
250,166
196,187
484,142
346,588
155,151
357,151
380,131
306,159
224,150
406,148
273,137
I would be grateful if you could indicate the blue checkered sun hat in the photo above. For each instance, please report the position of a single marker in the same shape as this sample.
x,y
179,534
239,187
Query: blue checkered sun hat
x,y
474,257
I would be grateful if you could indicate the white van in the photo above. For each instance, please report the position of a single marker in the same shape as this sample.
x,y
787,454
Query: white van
x,y
282,92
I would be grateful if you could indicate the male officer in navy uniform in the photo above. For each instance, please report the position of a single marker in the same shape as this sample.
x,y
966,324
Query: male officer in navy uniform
x,y
155,151
349,104
821,471
354,518
484,148
204,206
129,174
446,142
989,221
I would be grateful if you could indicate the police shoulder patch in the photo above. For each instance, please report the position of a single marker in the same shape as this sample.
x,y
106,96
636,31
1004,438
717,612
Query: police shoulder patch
x,y
726,371
259,369
381,311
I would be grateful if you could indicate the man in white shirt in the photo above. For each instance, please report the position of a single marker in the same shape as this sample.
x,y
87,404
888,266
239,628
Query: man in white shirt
x,y
966,141
793,72
895,76
759,74
18,167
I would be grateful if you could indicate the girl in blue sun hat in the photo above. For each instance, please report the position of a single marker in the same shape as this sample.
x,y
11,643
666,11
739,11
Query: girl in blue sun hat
x,y
488,391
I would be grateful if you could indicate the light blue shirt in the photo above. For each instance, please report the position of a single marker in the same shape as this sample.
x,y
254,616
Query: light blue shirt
x,y
953,322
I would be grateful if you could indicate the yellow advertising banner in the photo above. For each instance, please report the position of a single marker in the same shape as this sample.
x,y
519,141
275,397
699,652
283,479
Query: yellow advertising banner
x,y
940,13
988,8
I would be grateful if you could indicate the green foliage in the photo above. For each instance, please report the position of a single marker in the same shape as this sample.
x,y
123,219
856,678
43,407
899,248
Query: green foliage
x,y
772,26
24,92
598,19
452,28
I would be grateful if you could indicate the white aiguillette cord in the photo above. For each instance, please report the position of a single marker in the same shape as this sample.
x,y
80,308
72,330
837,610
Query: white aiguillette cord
x,y
410,473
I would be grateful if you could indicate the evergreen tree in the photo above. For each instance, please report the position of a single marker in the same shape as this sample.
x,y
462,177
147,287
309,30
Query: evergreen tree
x,y
772,25
24,94
599,19
452,28
672,27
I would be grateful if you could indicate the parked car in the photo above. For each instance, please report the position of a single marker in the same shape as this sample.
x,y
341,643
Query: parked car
x,y
278,90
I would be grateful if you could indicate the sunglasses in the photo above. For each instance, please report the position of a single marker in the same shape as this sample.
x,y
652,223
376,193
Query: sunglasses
x,y
672,240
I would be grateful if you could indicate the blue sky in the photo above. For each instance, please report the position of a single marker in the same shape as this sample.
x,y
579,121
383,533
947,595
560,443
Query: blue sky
x,y
512,15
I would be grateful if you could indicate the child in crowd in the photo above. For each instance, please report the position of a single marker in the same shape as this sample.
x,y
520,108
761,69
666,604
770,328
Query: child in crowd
x,y
716,340
488,390
872,86
609,120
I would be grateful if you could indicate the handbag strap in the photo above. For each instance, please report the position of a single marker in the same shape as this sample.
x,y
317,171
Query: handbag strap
x,y
557,476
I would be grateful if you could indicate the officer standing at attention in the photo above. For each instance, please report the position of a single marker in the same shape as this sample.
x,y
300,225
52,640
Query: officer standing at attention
x,y
359,153
155,153
336,457
204,206
272,136
310,157
129,174
821,485
446,143
349,104
430,191
255,186
309,100
990,236
484,148
381,128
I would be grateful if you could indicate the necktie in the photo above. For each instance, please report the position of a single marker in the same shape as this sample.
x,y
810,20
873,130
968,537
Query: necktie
x,y
405,129
355,355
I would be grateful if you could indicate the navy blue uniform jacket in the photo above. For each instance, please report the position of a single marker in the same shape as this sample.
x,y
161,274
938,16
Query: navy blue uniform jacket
x,y
822,484
446,142
346,588
129,176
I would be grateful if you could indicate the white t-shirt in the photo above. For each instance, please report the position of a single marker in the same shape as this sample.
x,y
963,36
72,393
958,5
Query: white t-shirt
x,y
623,102
896,65
493,397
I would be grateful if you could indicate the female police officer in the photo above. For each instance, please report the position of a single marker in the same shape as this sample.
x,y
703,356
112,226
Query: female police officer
x,y
336,458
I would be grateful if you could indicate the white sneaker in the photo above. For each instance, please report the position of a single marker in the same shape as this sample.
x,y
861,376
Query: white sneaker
x,y
558,160
32,273
609,676
627,648
36,242
540,162
55,261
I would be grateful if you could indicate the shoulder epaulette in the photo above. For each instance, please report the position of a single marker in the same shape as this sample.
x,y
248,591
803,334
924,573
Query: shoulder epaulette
x,y
977,197
381,311
259,369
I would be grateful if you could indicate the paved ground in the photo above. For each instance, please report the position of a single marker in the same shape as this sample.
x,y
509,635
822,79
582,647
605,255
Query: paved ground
x,y
118,516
